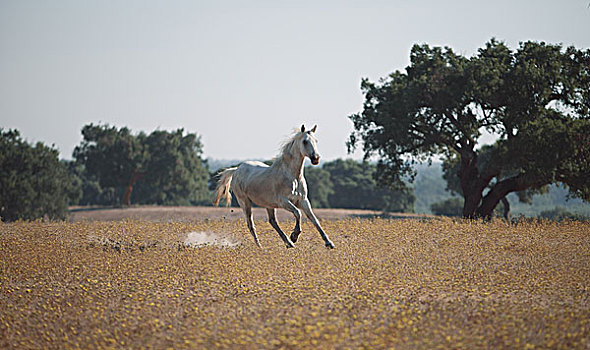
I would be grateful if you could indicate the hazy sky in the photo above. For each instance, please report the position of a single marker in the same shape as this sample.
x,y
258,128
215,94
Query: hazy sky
x,y
242,74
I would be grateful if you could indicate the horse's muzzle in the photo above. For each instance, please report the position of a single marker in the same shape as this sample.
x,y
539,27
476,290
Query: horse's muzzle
x,y
315,159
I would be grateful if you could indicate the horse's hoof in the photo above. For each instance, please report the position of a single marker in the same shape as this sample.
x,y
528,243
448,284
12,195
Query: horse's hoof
x,y
294,237
329,245
290,246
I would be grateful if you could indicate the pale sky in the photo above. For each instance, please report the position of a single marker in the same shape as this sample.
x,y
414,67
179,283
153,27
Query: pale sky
x,y
242,74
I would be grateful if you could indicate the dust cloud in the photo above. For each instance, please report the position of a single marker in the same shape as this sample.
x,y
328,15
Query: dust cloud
x,y
201,239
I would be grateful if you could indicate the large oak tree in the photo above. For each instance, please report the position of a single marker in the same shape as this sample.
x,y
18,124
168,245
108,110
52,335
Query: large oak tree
x,y
536,100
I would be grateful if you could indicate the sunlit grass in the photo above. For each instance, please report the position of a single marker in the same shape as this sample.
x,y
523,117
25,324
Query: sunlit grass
x,y
388,283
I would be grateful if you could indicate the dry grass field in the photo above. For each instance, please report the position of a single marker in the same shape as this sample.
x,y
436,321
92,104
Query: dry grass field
x,y
406,284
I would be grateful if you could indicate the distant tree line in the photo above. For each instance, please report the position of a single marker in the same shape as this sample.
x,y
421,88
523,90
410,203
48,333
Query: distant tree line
x,y
115,167
34,183
351,184
560,213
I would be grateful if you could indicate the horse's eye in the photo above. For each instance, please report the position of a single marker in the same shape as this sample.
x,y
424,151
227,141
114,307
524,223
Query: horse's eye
x,y
305,142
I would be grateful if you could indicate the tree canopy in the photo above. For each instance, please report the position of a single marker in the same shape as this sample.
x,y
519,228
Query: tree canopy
x,y
536,100
160,168
33,182
174,170
115,157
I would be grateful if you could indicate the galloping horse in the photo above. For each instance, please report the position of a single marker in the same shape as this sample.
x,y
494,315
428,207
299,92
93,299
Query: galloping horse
x,y
280,185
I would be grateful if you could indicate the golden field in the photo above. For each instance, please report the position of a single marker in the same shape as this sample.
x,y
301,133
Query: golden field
x,y
404,284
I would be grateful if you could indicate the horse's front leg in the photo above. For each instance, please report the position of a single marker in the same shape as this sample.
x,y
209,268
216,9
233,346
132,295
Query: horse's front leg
x,y
306,206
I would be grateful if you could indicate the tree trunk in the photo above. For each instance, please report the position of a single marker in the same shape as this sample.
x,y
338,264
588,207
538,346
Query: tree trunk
x,y
506,208
472,197
471,184
127,196
489,203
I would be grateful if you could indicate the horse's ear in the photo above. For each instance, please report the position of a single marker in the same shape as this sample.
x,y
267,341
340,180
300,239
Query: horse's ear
x,y
314,128
303,128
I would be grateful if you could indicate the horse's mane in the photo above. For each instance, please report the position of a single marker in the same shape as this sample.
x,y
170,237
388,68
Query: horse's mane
x,y
287,146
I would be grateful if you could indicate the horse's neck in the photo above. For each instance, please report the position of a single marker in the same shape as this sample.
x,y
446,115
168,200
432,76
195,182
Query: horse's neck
x,y
293,163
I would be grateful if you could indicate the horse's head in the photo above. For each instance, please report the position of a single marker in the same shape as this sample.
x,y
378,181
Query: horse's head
x,y
308,145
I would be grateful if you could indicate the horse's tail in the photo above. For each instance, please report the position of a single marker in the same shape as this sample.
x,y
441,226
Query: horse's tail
x,y
223,186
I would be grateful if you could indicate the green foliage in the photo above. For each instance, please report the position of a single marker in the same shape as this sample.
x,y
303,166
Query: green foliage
x,y
536,100
353,186
175,174
160,168
448,207
92,192
113,156
33,182
565,156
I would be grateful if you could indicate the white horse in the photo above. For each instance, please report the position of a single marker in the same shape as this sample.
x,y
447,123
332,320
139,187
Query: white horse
x,y
280,185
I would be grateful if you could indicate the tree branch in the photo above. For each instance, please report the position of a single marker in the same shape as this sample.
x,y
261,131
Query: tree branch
x,y
437,137
458,125
501,189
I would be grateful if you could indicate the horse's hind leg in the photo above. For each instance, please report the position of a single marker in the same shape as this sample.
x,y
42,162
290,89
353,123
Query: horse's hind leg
x,y
247,207
272,219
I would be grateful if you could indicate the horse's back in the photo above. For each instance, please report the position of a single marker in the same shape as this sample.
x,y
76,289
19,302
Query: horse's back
x,y
249,170
253,164
258,182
